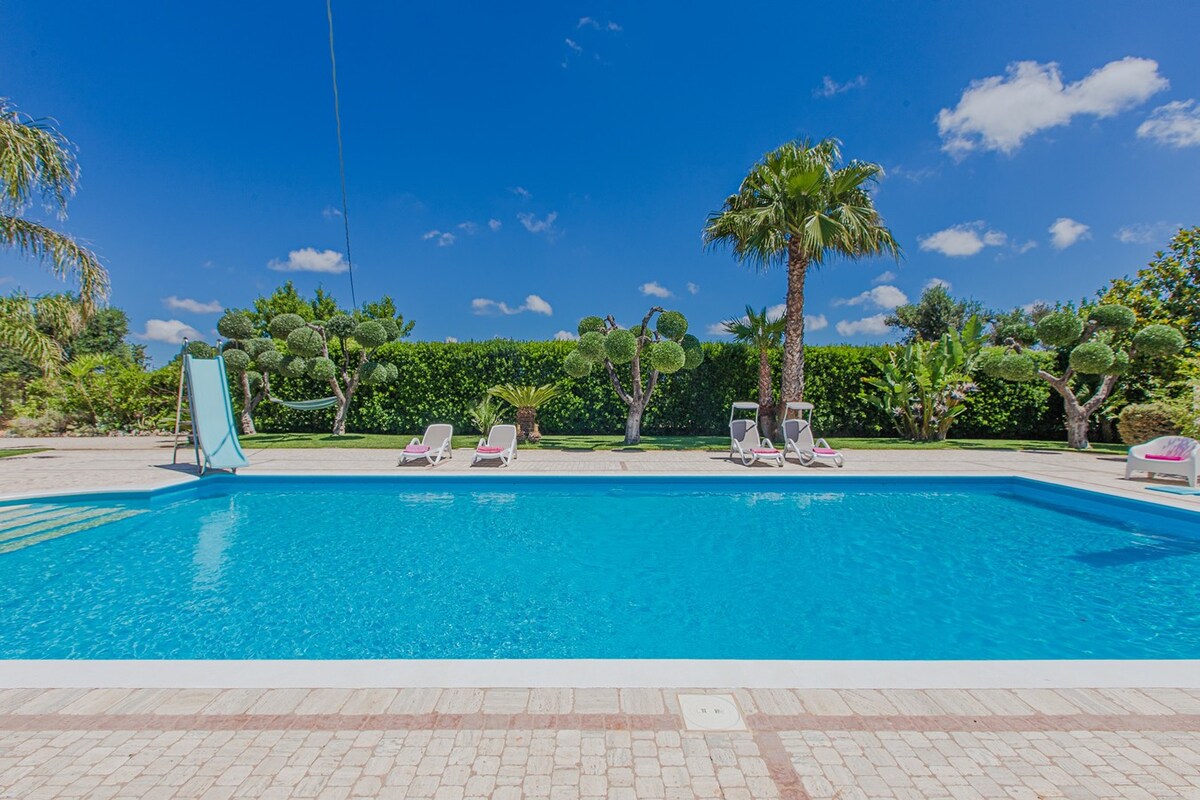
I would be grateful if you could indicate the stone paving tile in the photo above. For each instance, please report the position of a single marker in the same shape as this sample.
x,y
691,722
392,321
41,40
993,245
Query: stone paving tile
x,y
579,743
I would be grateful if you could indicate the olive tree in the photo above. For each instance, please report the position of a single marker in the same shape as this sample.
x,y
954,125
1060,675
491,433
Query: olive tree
x,y
667,347
1098,349
338,351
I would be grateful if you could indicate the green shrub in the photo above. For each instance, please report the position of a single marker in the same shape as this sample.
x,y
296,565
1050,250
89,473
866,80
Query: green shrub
x,y
1092,358
1059,329
283,324
1141,422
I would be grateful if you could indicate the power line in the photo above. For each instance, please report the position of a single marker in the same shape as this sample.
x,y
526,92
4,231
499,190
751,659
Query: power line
x,y
337,116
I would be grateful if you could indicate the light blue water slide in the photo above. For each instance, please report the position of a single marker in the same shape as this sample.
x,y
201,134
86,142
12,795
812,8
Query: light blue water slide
x,y
212,414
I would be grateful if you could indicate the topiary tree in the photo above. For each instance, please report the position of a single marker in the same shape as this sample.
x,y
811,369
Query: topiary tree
x,y
1090,340
668,347
337,351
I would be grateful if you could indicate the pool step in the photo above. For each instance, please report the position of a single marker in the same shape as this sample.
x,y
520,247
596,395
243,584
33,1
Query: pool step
x,y
30,514
40,528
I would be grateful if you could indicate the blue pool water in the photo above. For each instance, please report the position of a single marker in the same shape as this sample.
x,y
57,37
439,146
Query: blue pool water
x,y
501,567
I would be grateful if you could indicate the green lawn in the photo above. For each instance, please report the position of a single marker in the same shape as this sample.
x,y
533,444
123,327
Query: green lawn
x,y
713,443
22,451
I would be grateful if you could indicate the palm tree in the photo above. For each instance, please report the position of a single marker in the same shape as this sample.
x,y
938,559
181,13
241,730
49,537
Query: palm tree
x,y
34,328
762,333
797,207
37,163
527,400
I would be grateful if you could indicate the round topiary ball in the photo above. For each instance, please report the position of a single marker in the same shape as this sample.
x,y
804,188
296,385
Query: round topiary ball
x,y
1092,358
374,373
1060,329
283,324
255,379
689,342
1113,317
692,357
620,346
269,360
293,367
305,342
321,368
1016,367
341,326
577,365
235,325
588,324
591,346
671,325
370,334
667,356
236,360
256,345
1120,363
390,328
1158,340
989,360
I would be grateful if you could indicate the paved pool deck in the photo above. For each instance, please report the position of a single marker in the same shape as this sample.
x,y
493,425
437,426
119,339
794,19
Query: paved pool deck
x,y
1125,740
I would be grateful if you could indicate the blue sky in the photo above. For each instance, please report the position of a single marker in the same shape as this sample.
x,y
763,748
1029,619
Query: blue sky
x,y
512,169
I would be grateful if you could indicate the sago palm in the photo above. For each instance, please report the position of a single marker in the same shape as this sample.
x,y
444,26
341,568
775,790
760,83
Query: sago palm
x,y
800,207
763,333
527,400
37,164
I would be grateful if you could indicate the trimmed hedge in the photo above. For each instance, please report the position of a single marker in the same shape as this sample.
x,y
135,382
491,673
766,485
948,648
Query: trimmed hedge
x,y
439,382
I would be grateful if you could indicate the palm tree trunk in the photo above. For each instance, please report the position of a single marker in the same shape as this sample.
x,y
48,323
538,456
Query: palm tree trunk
x,y
793,344
766,397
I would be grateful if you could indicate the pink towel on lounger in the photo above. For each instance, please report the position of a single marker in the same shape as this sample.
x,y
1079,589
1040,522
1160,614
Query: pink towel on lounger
x,y
765,451
487,448
1160,457
825,451
417,448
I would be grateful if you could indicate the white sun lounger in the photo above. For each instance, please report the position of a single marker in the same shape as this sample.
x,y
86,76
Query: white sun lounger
x,y
745,442
1166,455
501,443
798,439
433,446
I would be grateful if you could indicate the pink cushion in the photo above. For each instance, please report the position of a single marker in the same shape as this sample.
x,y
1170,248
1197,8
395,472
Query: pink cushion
x,y
765,451
825,451
417,448
1160,457
487,448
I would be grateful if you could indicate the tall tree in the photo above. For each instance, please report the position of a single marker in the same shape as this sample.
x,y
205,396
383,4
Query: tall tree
x,y
800,207
935,314
37,163
764,334
1167,290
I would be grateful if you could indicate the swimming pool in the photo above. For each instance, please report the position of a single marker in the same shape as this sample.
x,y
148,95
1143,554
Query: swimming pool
x,y
540,567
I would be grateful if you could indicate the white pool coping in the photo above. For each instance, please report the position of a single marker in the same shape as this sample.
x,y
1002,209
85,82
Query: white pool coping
x,y
599,673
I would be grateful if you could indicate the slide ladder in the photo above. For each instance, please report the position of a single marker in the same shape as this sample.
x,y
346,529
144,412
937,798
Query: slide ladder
x,y
213,429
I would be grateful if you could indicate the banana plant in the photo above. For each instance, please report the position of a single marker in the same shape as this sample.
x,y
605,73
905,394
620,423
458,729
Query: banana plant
x,y
923,386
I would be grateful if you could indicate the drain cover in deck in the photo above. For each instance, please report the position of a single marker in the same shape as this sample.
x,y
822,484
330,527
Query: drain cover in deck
x,y
711,712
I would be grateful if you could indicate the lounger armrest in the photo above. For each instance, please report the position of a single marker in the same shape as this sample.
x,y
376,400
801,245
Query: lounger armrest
x,y
823,443
482,442
766,443
415,440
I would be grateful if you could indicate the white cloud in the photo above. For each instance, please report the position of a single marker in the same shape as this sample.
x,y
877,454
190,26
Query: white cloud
x,y
595,24
816,323
966,239
1066,232
443,239
533,303
884,277
829,87
932,282
879,297
195,306
574,45
915,175
654,289
468,227
495,224
1025,248
693,288
7,279
521,192
170,331
330,212
535,225
1145,232
1029,307
565,336
451,340
1177,124
310,259
869,325
1001,111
